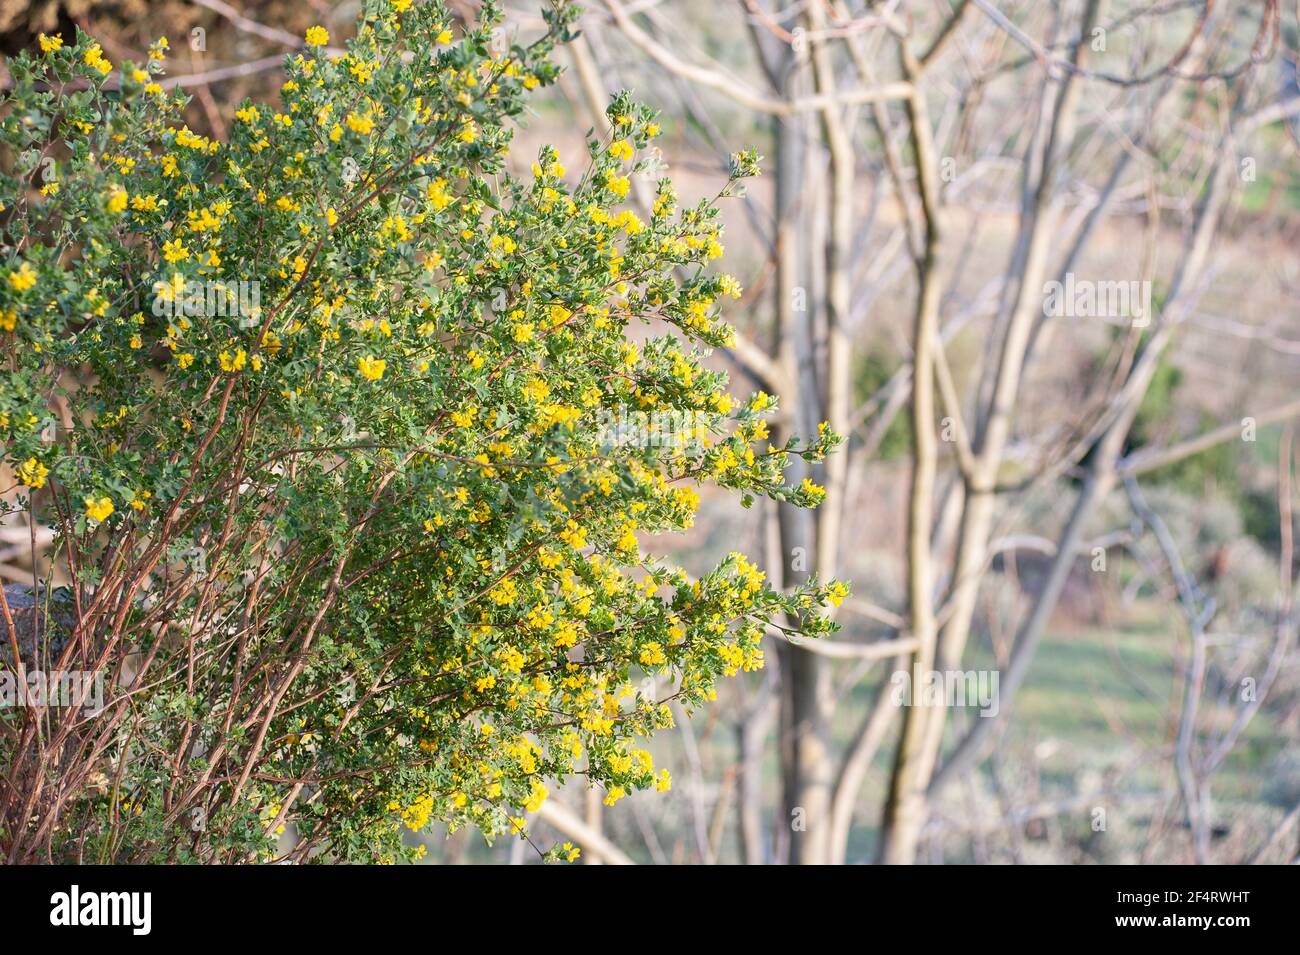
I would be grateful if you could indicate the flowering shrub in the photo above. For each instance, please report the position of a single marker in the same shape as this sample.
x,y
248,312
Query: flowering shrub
x,y
314,413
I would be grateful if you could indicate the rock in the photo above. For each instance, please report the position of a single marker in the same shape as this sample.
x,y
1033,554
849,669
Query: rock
x,y
47,617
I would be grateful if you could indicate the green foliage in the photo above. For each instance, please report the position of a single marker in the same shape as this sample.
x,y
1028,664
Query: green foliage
x,y
360,553
1225,466
873,373
1157,404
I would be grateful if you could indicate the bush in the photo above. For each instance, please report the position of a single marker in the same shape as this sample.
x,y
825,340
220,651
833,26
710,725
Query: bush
x,y
322,419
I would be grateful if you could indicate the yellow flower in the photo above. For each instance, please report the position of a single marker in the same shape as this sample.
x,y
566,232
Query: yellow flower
x,y
651,654
815,491
536,796
32,473
570,852
233,362
98,509
117,200
444,37
621,149
360,124
95,57
371,368
50,44
175,251
317,36
23,279
618,185
628,541
438,195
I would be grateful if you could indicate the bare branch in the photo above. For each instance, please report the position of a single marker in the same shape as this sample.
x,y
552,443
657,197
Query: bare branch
x,y
742,94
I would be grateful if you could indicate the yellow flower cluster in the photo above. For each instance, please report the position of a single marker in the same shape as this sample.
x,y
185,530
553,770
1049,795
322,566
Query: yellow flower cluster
x,y
99,509
94,56
33,473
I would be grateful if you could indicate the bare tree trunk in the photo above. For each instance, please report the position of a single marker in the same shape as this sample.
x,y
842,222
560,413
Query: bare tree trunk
x,y
806,703
854,769
751,735
1101,475
905,810
594,812
980,498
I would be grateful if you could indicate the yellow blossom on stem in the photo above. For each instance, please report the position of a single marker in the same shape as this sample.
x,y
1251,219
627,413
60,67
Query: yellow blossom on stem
x,y
32,473
94,56
536,796
23,279
371,368
98,509
233,362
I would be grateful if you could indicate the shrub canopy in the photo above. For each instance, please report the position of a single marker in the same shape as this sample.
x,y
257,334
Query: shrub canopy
x,y
324,419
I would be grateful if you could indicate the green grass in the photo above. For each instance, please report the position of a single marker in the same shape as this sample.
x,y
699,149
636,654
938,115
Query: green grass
x,y
1102,697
